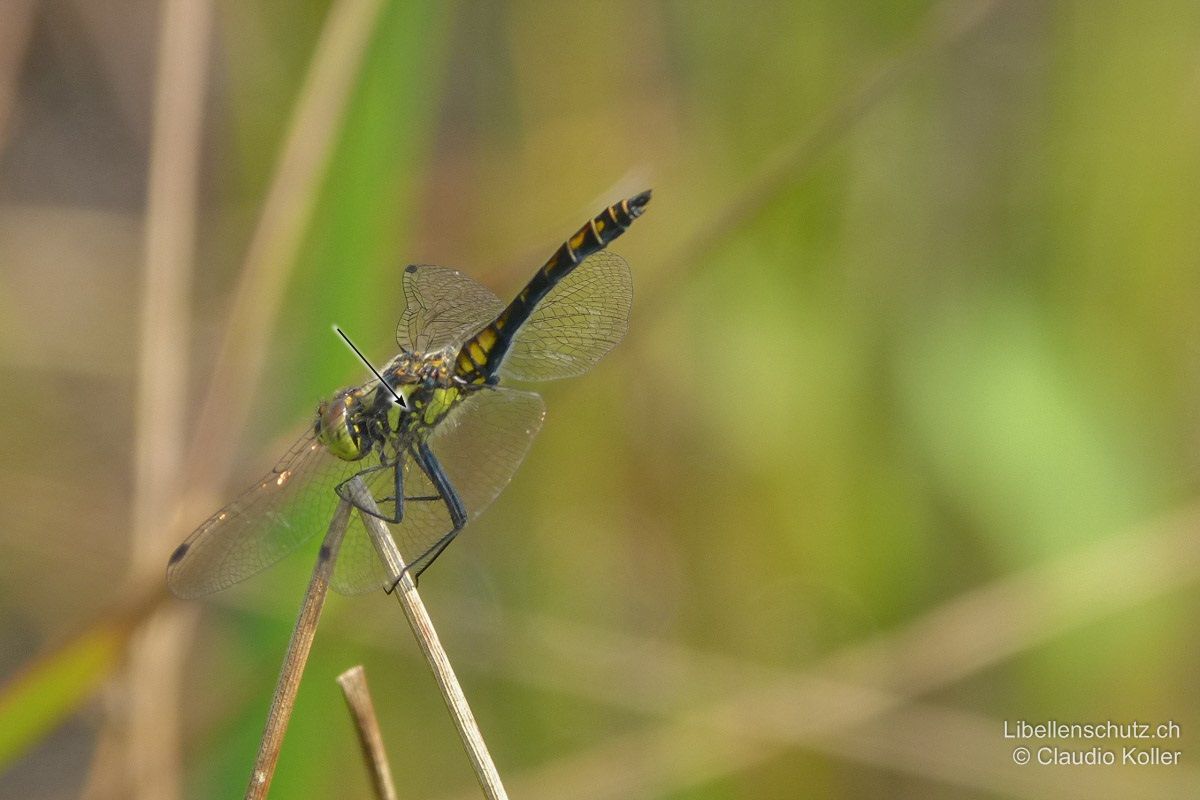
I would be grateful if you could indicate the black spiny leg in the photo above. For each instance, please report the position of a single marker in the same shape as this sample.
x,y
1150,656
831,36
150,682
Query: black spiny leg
x,y
397,486
433,468
454,505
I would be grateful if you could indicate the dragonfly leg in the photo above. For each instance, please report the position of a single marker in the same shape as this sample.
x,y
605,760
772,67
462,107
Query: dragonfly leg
x,y
398,487
454,505
398,498
433,468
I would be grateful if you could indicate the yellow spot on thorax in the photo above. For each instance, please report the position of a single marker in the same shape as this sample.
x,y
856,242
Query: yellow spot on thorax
x,y
439,405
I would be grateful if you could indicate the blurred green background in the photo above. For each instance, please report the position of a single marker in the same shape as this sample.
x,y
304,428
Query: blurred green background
x,y
901,445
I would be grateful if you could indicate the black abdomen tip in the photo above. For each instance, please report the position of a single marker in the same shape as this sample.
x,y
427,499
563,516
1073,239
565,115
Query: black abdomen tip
x,y
179,553
411,268
638,202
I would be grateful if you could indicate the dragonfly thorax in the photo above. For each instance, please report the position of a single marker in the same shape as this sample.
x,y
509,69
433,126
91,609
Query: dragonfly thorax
x,y
355,422
408,370
428,386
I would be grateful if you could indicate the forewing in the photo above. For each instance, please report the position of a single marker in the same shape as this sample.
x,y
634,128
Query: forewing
x,y
576,324
479,445
442,307
266,522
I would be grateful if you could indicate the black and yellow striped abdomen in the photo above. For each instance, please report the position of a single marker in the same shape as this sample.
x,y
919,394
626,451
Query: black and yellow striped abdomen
x,y
480,356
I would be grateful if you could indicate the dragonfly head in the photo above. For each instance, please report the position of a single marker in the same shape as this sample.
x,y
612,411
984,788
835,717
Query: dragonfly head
x,y
335,426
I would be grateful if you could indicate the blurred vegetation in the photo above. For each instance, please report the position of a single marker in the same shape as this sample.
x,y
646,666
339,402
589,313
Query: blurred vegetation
x,y
887,399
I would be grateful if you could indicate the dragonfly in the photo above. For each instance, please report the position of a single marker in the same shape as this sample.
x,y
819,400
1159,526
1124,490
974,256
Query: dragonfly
x,y
436,434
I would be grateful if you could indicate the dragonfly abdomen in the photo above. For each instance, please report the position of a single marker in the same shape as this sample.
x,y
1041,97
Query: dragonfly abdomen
x,y
480,356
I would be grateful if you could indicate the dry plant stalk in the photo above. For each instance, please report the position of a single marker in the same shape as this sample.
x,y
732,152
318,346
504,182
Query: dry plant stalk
x,y
149,766
297,656
427,639
358,697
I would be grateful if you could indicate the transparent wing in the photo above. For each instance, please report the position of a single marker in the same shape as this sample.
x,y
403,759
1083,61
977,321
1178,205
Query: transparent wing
x,y
479,445
576,324
290,504
426,520
358,569
442,307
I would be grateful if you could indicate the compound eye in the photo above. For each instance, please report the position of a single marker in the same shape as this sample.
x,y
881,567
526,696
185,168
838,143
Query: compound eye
x,y
332,414
334,430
